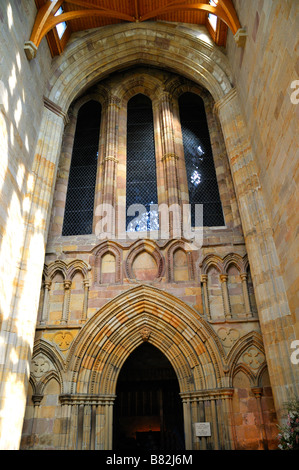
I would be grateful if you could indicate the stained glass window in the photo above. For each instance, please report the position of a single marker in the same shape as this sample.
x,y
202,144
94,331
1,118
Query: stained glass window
x,y
141,166
79,206
200,168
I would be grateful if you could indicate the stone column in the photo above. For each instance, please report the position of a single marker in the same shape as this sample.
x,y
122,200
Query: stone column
x,y
44,317
169,160
227,310
246,295
18,329
204,280
85,301
187,423
66,301
258,391
110,161
273,309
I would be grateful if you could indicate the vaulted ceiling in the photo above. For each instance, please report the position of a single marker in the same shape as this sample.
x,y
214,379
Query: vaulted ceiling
x,y
81,15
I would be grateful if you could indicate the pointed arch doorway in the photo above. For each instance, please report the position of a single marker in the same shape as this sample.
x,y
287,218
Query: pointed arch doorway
x,y
148,410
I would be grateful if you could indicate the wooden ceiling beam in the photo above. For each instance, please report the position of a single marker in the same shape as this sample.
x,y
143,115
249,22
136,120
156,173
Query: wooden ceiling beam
x,y
218,11
46,21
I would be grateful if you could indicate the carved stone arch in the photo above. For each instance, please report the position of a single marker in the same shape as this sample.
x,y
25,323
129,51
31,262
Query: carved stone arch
x,y
98,253
247,371
209,261
250,340
108,338
49,350
149,247
53,374
55,267
175,246
98,94
177,86
138,82
78,266
235,260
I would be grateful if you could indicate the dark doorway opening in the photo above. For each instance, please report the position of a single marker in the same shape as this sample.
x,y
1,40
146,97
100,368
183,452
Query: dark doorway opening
x,y
148,411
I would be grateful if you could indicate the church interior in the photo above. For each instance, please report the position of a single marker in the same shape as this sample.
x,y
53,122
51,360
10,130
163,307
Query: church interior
x,y
149,245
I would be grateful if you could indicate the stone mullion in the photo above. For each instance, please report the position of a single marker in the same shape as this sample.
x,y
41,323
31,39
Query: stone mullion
x,y
17,335
110,158
169,159
270,293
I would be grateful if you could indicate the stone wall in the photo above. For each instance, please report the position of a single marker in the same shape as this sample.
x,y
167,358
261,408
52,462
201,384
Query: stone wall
x,y
263,75
84,277
22,87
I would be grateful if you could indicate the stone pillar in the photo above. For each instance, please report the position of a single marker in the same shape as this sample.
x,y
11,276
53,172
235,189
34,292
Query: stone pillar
x,y
66,301
169,159
246,295
187,423
85,301
204,280
18,329
227,311
272,303
258,391
44,317
110,161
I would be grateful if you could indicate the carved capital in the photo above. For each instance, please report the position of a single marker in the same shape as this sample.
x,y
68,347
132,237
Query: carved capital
x,y
67,284
257,391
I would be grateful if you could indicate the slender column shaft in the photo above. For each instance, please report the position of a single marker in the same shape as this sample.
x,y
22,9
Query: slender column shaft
x,y
45,311
246,295
66,301
204,280
227,310
169,159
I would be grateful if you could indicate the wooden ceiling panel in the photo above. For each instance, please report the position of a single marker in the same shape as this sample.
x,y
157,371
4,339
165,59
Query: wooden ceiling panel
x,y
82,15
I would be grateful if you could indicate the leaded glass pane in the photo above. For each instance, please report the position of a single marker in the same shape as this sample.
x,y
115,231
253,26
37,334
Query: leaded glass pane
x,y
201,174
79,206
141,164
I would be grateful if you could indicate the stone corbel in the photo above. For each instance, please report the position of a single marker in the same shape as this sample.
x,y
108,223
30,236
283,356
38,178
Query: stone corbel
x,y
30,50
240,37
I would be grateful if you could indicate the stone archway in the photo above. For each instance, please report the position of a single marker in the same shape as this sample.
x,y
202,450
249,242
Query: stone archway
x,y
143,314
148,411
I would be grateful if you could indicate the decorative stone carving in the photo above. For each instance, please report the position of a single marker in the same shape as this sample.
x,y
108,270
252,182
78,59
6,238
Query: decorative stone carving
x,y
145,334
63,339
228,336
253,357
40,365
